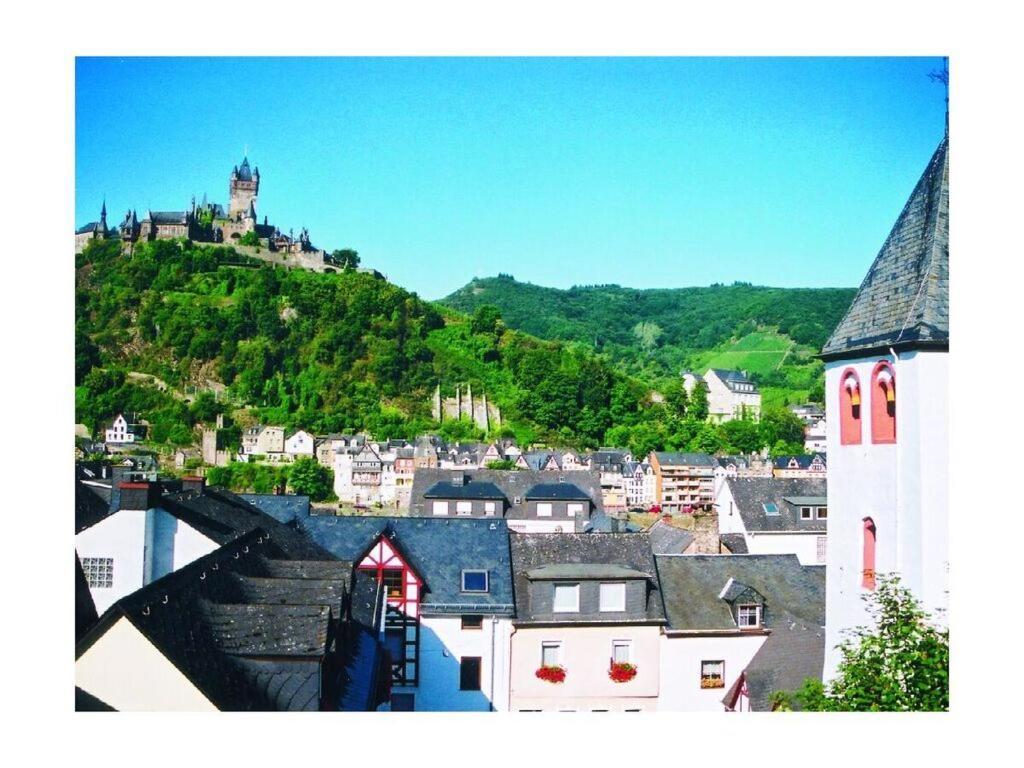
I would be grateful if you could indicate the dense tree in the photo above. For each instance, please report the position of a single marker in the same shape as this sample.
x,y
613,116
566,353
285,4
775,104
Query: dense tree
x,y
308,477
900,663
346,258
781,424
698,403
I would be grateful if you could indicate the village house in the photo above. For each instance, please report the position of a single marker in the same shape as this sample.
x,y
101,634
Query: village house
x,y
731,394
122,432
800,466
262,441
684,482
726,467
639,484
775,516
588,621
532,501
816,436
300,443
449,605
887,404
740,628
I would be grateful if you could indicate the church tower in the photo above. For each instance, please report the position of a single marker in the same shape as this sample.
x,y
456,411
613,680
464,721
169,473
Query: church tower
x,y
243,188
887,406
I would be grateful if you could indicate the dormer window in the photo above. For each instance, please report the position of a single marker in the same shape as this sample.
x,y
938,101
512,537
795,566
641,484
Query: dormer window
x,y
474,581
566,598
748,616
771,509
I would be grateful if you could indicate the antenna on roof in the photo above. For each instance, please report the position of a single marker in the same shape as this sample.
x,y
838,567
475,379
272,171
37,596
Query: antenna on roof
x,y
942,76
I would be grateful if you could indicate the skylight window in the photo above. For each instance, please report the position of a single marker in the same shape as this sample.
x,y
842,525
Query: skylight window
x,y
474,581
771,509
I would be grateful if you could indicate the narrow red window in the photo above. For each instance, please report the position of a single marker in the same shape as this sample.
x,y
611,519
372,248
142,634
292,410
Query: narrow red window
x,y
849,408
868,580
883,404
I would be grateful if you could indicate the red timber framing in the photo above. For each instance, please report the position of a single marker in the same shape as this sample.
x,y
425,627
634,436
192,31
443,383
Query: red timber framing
x,y
401,620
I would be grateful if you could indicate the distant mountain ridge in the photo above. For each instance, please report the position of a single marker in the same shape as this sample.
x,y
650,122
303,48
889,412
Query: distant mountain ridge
x,y
656,332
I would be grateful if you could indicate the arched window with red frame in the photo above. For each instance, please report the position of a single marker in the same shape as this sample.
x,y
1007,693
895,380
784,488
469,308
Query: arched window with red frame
x,y
883,403
868,566
849,408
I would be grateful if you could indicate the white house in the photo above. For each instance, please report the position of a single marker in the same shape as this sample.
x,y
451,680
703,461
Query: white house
x,y
776,515
887,405
121,431
740,627
300,443
448,590
731,394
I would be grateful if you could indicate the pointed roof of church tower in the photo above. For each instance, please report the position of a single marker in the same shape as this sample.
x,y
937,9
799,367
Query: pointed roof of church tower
x,y
904,300
244,174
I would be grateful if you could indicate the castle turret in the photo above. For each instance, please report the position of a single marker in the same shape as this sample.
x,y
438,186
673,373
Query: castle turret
x,y
243,188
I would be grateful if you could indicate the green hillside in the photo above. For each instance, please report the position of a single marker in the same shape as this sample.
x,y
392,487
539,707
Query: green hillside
x,y
325,352
773,333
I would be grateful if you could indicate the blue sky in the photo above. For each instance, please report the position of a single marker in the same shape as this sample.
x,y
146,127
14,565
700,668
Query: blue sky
x,y
642,172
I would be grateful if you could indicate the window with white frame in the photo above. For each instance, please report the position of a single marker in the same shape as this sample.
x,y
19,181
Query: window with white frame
x,y
575,509
822,513
440,508
622,651
806,513
550,654
464,508
489,507
613,597
566,598
748,616
822,548
712,674
99,572
543,509
474,581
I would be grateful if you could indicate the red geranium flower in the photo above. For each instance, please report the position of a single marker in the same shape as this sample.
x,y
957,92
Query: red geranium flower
x,y
621,672
552,674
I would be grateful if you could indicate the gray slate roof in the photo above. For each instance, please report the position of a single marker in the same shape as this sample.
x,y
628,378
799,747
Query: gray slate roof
x,y
677,459
439,549
751,493
534,551
793,652
471,490
903,301
736,543
667,539
732,378
691,585
284,508
241,653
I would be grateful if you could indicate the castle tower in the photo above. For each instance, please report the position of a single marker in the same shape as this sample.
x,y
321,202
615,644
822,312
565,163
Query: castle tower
x,y
435,406
887,405
102,226
243,188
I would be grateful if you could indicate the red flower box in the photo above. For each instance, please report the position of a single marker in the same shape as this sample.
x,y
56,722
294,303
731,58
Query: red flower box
x,y
622,672
553,674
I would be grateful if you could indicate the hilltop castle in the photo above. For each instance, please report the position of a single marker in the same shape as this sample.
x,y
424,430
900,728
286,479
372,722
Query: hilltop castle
x,y
211,223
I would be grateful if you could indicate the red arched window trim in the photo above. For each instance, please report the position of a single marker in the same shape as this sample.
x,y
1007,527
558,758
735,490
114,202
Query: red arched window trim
x,y
883,403
850,396
868,579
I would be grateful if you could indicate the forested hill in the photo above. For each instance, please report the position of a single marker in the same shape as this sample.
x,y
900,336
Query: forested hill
x,y
324,352
773,332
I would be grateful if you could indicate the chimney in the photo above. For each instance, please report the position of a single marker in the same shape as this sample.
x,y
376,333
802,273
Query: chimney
x,y
140,495
193,483
458,479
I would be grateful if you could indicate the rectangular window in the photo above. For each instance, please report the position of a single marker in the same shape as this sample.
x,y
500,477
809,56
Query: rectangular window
x,y
474,581
550,654
489,507
748,616
822,513
622,651
805,513
567,598
712,674
99,572
575,509
822,548
392,579
469,673
464,508
613,597
403,702
440,507
544,509
472,622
